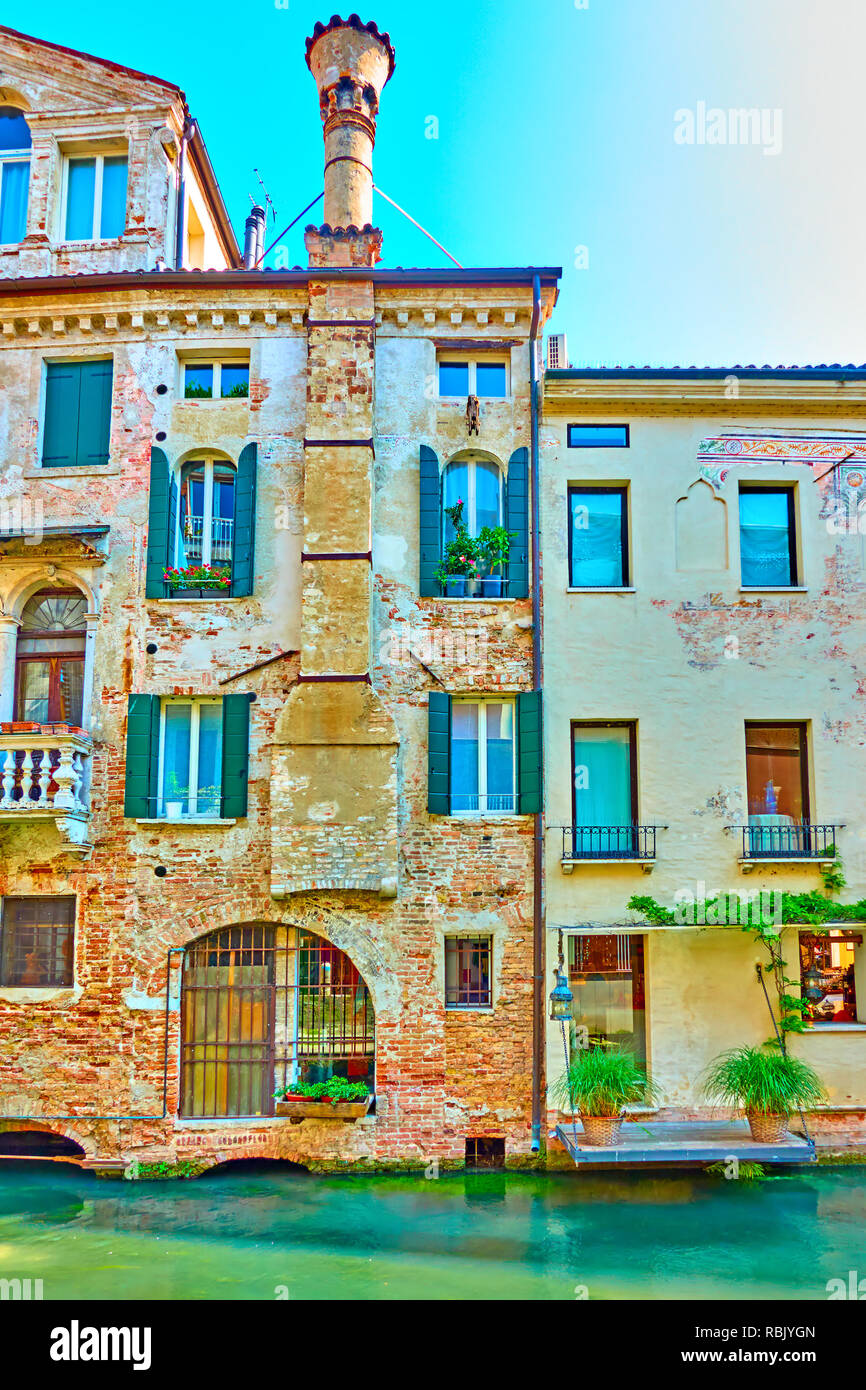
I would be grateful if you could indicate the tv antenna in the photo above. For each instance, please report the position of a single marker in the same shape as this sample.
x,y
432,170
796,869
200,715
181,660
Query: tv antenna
x,y
268,200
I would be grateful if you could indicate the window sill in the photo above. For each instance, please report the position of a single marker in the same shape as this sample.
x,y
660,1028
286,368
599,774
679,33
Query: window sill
x,y
194,821
35,994
472,598
569,865
593,589
773,589
185,596
469,1009
748,864
102,470
834,1028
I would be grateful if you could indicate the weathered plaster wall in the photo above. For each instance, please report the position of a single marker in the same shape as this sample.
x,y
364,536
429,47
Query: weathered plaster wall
x,y
691,657
99,1047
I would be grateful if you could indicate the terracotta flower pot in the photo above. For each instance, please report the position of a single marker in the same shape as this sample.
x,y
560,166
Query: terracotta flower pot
x,y
767,1129
601,1131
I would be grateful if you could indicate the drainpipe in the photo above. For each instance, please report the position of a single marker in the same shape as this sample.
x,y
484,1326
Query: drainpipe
x,y
189,131
538,827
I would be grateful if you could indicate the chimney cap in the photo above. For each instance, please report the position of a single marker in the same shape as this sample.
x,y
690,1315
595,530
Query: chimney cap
x,y
353,22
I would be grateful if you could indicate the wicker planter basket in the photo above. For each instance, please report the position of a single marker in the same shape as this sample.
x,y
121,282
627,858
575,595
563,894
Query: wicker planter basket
x,y
601,1131
767,1129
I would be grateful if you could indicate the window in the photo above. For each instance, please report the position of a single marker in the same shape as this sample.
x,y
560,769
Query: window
x,y
598,537
465,376
265,1006
206,515
15,146
598,437
605,790
95,197
485,1153
190,758
482,756
777,787
77,423
478,483
606,975
829,968
216,380
49,658
36,942
467,972
768,550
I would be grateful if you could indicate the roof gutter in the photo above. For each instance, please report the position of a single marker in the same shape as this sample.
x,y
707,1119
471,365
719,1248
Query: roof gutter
x,y
238,279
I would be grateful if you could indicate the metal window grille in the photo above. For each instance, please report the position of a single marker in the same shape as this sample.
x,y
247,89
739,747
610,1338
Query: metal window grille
x,y
37,942
467,972
264,1006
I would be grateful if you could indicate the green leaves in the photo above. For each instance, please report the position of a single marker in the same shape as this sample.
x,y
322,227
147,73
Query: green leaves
x,y
601,1080
760,1079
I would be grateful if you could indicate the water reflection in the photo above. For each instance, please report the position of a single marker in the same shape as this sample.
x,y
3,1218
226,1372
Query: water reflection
x,y
239,1234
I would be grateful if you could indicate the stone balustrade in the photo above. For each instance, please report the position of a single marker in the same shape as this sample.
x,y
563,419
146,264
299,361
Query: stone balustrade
x,y
45,773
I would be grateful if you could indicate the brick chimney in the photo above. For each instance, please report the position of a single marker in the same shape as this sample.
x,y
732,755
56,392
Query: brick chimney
x,y
351,63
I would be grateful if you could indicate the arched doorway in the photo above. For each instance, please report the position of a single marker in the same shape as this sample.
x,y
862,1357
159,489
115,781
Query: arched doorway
x,y
263,1006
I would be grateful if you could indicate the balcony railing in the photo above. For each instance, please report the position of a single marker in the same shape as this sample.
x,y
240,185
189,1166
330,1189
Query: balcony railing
x,y
793,840
608,842
45,773
222,529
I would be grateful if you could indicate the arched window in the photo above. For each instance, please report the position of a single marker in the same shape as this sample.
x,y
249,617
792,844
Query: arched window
x,y
263,1006
206,514
14,174
478,483
49,658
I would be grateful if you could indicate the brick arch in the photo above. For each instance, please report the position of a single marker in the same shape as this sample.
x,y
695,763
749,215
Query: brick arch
x,y
60,1128
374,961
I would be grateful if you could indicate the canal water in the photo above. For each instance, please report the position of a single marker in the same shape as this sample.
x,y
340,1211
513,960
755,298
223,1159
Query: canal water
x,y
275,1233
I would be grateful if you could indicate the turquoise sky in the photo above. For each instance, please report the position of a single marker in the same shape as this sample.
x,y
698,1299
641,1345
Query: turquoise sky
x,y
556,126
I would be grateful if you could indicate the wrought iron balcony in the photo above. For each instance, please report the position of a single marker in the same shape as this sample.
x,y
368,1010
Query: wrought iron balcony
x,y
45,775
609,843
787,840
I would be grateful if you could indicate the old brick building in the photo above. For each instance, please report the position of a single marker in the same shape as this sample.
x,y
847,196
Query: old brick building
x,y
272,820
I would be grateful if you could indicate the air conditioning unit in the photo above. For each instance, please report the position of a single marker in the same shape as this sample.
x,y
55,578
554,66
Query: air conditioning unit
x,y
557,351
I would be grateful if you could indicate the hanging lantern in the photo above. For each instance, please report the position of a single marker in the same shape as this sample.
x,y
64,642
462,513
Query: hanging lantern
x,y
561,1000
813,984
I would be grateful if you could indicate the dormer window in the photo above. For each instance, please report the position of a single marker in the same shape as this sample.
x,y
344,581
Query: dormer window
x,y
94,197
14,174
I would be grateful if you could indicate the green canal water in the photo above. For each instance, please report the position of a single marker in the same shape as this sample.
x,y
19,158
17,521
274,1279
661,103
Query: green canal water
x,y
270,1233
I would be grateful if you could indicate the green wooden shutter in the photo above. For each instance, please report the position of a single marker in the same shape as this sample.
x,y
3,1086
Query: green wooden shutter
x,y
439,753
161,523
236,755
429,500
60,430
142,756
94,413
529,753
244,530
517,522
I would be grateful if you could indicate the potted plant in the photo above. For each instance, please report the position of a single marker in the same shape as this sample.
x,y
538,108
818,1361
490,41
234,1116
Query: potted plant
x,y
457,567
198,577
335,1099
175,797
599,1083
494,543
765,1082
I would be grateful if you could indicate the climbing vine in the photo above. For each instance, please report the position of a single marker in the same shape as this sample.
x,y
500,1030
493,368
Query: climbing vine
x,y
816,910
